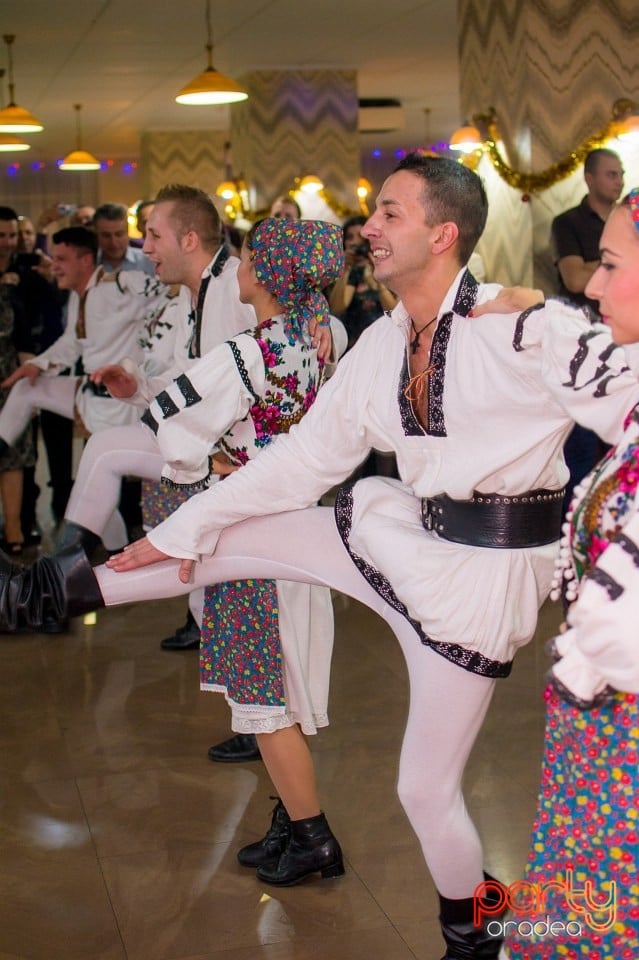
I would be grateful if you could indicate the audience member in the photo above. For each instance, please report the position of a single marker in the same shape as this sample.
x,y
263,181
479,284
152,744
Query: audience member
x,y
41,319
575,238
357,298
286,207
114,250
142,213
14,339
576,232
82,216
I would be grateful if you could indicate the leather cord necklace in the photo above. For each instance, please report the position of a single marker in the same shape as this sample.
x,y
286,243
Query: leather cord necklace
x,y
414,344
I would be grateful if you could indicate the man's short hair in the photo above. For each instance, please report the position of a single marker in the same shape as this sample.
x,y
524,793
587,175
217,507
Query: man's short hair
x,y
111,211
451,192
81,238
194,210
594,156
8,213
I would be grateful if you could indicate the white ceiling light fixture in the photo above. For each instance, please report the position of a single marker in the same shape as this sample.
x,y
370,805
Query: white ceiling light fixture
x,y
211,86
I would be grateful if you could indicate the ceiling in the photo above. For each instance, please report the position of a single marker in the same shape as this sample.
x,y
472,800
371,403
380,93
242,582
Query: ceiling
x,y
124,61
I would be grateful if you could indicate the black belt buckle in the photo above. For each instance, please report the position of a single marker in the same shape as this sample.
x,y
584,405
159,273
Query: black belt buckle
x,y
430,514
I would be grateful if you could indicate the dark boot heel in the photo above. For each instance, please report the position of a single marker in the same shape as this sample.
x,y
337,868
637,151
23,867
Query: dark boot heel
x,y
311,848
337,870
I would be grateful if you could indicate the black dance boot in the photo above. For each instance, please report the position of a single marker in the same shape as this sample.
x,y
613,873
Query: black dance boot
x,y
272,844
51,588
73,535
312,848
464,940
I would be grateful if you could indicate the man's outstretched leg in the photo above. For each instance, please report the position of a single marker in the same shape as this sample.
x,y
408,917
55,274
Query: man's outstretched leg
x,y
25,398
108,456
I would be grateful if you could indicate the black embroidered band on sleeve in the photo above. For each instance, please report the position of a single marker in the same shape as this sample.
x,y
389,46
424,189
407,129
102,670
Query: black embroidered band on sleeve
x,y
521,322
628,546
150,421
241,368
188,391
609,584
167,405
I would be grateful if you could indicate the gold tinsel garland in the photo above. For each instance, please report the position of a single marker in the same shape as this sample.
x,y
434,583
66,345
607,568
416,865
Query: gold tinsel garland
x,y
535,182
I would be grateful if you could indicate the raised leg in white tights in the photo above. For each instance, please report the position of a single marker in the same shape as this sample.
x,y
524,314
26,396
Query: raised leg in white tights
x,y
56,394
447,703
108,456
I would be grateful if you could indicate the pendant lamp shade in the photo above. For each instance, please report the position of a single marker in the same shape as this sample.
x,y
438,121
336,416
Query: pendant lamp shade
x,y
10,143
15,119
211,86
79,159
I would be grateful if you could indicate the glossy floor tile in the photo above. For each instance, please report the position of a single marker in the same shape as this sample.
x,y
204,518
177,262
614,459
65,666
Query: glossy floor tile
x,y
118,835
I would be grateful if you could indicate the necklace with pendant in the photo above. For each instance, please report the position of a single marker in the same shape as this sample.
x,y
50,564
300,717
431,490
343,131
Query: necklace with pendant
x,y
414,344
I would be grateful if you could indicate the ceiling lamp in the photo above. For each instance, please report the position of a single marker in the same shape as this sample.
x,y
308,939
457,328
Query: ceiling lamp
x,y
628,129
310,184
364,190
211,87
9,143
15,119
466,140
625,120
79,159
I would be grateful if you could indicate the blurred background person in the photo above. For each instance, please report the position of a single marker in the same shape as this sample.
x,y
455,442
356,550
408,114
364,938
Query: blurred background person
x,y
357,298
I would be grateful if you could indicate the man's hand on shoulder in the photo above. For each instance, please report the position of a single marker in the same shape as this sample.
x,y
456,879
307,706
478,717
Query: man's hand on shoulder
x,y
510,300
322,339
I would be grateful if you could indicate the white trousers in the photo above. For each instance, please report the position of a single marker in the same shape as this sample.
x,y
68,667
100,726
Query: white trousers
x,y
108,456
447,703
56,394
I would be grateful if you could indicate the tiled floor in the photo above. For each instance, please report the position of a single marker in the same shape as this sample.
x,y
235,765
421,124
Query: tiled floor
x,y
118,835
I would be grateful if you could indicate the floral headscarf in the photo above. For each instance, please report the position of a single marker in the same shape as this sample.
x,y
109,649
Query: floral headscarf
x,y
632,200
295,260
